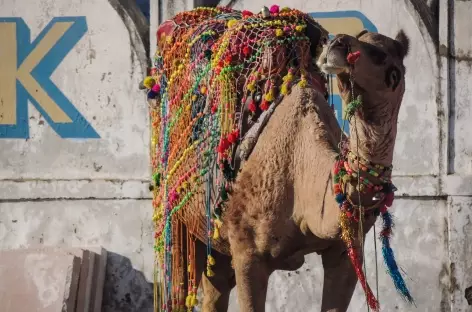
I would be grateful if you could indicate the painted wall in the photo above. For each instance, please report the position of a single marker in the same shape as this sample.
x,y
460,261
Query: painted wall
x,y
74,136
74,143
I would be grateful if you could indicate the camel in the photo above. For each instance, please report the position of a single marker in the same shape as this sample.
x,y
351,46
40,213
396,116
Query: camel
x,y
284,200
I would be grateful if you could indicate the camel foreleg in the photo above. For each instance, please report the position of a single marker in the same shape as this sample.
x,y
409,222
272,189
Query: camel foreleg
x,y
339,279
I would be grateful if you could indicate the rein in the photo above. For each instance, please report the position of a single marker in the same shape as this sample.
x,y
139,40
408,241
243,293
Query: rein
x,y
383,190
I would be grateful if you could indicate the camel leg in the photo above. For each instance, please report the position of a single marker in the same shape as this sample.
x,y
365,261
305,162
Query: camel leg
x,y
339,279
216,289
252,277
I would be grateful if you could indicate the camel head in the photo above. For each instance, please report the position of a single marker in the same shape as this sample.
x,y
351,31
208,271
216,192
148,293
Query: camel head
x,y
370,65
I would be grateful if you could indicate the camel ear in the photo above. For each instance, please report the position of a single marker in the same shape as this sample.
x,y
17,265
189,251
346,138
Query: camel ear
x,y
364,31
402,43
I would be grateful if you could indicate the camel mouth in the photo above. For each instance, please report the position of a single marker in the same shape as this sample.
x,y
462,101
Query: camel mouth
x,y
332,60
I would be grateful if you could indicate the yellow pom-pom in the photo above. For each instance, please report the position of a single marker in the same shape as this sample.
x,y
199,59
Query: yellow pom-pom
x,y
155,217
216,234
251,86
188,301
285,9
218,223
269,97
194,300
288,77
279,32
194,97
284,89
231,23
203,90
299,28
210,272
303,83
149,82
211,260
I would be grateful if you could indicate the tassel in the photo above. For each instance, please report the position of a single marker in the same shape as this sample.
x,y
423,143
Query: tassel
x,y
389,258
216,234
188,301
347,236
210,272
194,300
211,260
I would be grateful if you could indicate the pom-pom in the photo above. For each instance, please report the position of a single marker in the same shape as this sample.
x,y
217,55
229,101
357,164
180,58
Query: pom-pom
x,y
211,260
299,28
269,97
188,301
247,51
274,9
389,199
216,233
210,272
353,57
203,90
252,106
284,89
285,9
231,23
149,82
265,105
302,83
223,146
194,300
247,13
340,198
156,88
279,32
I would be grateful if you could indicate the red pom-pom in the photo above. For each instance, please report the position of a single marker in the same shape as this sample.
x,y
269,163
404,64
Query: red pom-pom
x,y
247,13
232,138
214,108
247,50
252,106
353,57
228,59
156,88
274,9
389,199
265,105
223,146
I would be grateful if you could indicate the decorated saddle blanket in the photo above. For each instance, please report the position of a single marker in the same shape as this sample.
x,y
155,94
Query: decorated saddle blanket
x,y
218,75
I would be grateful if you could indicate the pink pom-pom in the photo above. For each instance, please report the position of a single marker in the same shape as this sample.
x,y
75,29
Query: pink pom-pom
x,y
156,88
274,9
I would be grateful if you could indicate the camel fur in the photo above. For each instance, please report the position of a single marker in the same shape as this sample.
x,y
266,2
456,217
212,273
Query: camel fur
x,y
282,206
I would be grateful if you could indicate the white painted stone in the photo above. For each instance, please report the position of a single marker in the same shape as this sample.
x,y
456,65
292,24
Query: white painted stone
x,y
460,251
100,76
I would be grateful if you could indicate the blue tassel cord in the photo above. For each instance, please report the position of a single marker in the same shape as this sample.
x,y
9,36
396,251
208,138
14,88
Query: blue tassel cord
x,y
389,258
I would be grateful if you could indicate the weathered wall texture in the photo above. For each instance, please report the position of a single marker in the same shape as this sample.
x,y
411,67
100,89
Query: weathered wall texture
x,y
74,161
74,135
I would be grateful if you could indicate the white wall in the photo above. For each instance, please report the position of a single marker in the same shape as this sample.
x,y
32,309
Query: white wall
x,y
64,184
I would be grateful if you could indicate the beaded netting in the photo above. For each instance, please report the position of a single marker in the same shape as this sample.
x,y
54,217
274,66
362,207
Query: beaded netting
x,y
209,63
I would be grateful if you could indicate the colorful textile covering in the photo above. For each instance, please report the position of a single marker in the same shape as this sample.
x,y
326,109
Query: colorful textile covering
x,y
212,65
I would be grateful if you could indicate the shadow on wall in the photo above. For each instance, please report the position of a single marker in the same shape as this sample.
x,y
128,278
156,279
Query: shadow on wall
x,y
125,289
